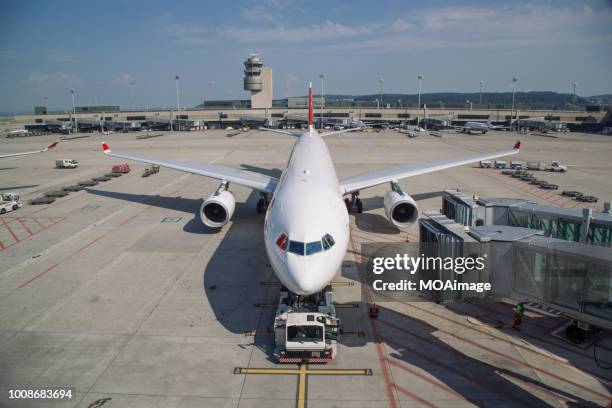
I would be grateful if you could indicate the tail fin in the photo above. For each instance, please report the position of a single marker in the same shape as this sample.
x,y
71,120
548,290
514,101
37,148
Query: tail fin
x,y
310,118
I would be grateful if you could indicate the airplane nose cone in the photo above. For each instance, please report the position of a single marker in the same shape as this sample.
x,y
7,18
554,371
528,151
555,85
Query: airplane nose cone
x,y
307,280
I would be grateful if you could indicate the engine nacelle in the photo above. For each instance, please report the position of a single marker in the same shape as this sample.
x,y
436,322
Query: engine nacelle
x,y
401,209
218,209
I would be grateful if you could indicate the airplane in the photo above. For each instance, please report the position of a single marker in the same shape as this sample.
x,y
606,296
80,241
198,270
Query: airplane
x,y
306,227
51,146
483,128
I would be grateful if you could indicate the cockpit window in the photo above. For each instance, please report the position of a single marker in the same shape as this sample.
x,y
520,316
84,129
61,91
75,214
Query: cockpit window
x,y
296,247
313,247
328,241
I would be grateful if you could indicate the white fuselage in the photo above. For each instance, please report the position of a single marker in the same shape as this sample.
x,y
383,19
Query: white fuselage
x,y
306,207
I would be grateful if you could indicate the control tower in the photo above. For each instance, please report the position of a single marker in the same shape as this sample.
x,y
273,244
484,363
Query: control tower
x,y
258,80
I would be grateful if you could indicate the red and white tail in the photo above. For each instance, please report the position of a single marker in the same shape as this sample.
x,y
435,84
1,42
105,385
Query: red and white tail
x,y
310,117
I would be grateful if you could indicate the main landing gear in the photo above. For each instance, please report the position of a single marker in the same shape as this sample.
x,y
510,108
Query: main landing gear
x,y
354,205
262,203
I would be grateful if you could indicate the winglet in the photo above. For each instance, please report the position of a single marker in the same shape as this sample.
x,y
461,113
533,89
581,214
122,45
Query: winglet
x,y
517,146
52,145
310,118
105,148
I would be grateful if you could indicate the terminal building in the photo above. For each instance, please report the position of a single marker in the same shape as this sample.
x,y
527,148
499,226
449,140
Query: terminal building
x,y
289,111
555,257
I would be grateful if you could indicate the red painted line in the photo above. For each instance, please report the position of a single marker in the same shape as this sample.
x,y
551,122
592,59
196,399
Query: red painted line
x,y
507,357
128,220
437,384
9,229
58,220
37,276
38,222
508,312
539,338
25,226
383,366
499,390
91,243
379,349
416,397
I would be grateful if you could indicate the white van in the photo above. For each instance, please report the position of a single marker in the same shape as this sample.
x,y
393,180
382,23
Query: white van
x,y
66,164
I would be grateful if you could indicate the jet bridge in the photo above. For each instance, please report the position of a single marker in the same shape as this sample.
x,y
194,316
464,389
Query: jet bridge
x,y
524,265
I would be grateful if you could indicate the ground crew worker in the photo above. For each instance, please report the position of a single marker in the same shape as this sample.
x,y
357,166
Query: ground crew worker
x,y
519,310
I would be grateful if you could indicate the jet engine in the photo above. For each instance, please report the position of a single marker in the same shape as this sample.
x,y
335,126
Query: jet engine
x,y
401,209
218,209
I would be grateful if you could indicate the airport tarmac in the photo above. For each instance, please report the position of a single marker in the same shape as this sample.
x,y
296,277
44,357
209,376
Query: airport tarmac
x,y
120,292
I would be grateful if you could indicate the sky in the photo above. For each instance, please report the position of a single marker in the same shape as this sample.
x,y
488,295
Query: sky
x,y
128,52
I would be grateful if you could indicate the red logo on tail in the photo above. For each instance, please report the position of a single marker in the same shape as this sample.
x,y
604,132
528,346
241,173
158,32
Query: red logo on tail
x,y
517,146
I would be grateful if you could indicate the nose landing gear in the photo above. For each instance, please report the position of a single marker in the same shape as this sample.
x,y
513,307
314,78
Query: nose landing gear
x,y
354,205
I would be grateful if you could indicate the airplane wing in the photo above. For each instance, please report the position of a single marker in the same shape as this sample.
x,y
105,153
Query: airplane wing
x,y
256,181
377,177
285,132
51,146
335,132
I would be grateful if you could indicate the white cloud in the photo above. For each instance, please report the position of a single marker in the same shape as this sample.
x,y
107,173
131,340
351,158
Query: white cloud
x,y
37,78
187,34
267,11
123,79
281,34
60,56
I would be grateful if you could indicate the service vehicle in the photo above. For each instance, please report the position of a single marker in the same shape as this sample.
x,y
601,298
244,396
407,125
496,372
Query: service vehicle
x,y
534,166
572,194
500,164
587,199
9,202
485,164
56,193
549,186
517,165
73,188
121,168
42,200
101,178
66,164
556,167
306,328
88,183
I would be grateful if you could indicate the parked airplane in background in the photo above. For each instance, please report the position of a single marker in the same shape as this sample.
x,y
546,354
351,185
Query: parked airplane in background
x,y
471,127
51,146
306,229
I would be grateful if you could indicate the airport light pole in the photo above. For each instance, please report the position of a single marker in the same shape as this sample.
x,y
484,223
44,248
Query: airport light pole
x,y
480,98
45,98
514,81
381,83
322,76
574,85
131,88
178,105
73,109
420,78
